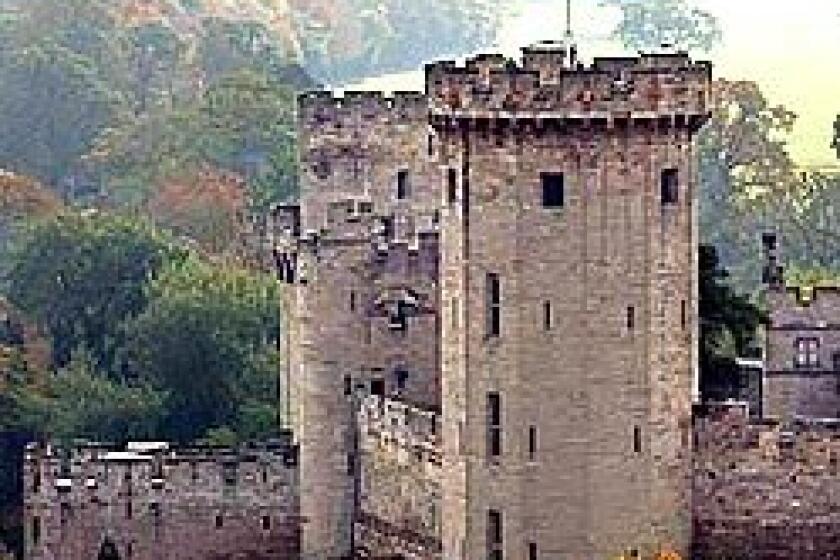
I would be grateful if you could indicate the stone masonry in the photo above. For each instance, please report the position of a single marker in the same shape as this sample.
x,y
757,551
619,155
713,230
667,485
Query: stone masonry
x,y
514,252
765,490
802,364
149,502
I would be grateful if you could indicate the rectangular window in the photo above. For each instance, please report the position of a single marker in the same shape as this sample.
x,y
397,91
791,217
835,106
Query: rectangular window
x,y
266,523
495,535
547,315
631,318
352,300
348,385
807,352
552,190
683,314
219,522
455,311
128,511
36,530
402,184
637,439
670,186
532,551
431,145
532,443
494,424
377,387
494,308
452,187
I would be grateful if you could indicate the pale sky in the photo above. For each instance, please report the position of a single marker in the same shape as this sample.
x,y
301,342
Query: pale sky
x,y
792,49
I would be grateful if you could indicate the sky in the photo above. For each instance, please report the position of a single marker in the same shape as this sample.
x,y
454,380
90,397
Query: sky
x,y
791,49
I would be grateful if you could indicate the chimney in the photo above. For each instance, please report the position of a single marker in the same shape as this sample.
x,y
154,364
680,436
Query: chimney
x,y
773,274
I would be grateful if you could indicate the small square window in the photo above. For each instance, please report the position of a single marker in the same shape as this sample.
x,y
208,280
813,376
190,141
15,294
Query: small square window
x,y
670,186
552,190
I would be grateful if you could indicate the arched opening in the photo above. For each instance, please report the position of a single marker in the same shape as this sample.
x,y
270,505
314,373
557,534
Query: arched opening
x,y
108,551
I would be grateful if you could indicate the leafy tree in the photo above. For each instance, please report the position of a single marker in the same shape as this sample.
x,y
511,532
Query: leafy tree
x,y
59,88
244,123
207,207
80,276
206,338
80,403
728,325
835,142
648,24
747,178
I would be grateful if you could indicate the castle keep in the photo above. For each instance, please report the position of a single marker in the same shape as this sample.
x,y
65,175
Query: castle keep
x,y
492,310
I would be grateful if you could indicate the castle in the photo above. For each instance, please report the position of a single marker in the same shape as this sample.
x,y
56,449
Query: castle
x,y
150,501
491,298
492,334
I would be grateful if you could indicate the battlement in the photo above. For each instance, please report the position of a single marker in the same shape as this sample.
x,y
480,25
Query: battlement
x,y
548,84
327,106
397,423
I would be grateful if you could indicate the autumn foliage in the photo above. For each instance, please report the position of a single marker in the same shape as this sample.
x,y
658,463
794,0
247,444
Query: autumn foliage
x,y
206,206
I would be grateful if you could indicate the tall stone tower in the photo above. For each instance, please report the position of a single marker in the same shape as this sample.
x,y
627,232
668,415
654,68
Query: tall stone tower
x,y
569,297
514,252
360,257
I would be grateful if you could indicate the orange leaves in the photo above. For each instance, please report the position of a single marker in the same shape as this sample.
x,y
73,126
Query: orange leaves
x,y
206,206
22,197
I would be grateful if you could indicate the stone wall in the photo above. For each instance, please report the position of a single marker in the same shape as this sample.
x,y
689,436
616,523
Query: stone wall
x,y
764,490
794,389
149,502
399,481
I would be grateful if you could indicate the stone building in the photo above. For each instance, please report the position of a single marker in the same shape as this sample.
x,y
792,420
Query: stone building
x,y
150,502
802,363
765,489
509,260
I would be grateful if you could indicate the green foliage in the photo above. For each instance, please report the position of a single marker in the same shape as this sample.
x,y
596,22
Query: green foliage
x,y
243,123
80,402
747,179
80,276
728,326
835,142
810,277
203,338
648,24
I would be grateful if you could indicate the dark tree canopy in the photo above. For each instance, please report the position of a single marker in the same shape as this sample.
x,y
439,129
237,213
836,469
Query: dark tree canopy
x,y
728,327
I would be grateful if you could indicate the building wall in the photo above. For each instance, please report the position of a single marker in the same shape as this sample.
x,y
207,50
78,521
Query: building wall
x,y
765,490
793,390
186,504
362,252
587,382
399,471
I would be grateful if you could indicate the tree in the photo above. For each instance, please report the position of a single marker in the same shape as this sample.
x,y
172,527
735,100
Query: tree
x,y
80,276
747,178
648,24
208,338
835,142
244,124
207,206
81,403
728,327
59,86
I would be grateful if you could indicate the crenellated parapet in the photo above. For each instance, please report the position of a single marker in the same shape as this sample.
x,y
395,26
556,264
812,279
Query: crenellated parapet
x,y
545,86
325,109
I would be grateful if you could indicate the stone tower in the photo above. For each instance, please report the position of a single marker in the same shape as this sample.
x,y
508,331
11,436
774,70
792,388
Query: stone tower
x,y
513,251
361,260
568,286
